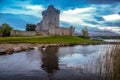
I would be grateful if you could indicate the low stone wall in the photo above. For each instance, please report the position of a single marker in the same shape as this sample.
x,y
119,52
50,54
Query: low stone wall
x,y
22,33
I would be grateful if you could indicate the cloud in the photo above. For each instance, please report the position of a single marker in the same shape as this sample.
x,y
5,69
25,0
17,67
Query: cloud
x,y
35,7
119,13
107,9
114,29
77,16
21,7
80,13
90,17
103,1
92,22
99,18
112,17
111,23
34,10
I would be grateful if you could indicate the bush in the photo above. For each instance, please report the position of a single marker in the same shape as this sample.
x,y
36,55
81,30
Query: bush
x,y
5,29
30,27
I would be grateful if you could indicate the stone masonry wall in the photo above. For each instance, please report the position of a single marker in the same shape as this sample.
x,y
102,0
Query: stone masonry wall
x,y
22,33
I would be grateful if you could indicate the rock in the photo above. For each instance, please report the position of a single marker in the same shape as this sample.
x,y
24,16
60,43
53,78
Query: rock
x,y
46,45
42,46
31,47
24,48
17,49
9,50
3,50
6,50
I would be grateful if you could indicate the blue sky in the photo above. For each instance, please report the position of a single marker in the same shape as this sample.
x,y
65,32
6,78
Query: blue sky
x,y
95,14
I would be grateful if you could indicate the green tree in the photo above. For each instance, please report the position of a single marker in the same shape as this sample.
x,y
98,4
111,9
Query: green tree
x,y
85,33
5,29
30,27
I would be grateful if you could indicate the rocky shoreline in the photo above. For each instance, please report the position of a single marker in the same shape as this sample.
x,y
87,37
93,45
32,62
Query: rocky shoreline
x,y
9,48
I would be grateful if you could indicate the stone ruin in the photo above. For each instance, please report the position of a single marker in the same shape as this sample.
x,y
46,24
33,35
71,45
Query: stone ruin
x,y
49,24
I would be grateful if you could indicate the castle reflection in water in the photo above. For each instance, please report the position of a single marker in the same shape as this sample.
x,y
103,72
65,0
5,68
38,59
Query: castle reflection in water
x,y
49,59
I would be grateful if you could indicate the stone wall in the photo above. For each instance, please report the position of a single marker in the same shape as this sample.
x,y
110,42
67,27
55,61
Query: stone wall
x,y
61,31
22,33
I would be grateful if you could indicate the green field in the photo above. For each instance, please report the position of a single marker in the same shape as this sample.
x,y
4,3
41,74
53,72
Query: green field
x,y
46,40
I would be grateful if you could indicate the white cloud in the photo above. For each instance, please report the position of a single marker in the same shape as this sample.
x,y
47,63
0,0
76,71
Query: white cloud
x,y
34,10
112,17
79,10
78,16
35,7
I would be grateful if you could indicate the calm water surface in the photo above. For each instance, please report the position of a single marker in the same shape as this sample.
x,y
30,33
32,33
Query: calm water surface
x,y
54,63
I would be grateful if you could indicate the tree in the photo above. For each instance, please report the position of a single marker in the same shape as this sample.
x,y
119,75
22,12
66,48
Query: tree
x,y
30,27
85,33
5,29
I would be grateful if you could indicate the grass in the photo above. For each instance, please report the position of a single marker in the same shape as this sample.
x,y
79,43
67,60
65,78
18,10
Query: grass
x,y
46,40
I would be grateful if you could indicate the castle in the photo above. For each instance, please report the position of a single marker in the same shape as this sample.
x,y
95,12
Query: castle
x,y
49,24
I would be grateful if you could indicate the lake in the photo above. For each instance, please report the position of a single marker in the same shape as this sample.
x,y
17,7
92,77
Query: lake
x,y
112,40
53,63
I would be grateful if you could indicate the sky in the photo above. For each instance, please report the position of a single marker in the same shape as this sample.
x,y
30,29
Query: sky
x,y
94,14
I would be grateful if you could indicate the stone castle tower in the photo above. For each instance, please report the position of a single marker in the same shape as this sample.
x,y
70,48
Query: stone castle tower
x,y
49,24
50,18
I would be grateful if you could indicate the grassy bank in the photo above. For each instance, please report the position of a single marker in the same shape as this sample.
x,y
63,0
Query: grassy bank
x,y
46,40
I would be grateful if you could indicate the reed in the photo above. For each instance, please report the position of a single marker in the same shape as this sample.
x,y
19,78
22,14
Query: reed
x,y
106,65
109,63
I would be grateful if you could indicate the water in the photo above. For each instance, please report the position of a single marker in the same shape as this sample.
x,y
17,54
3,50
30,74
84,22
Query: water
x,y
54,63
112,40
